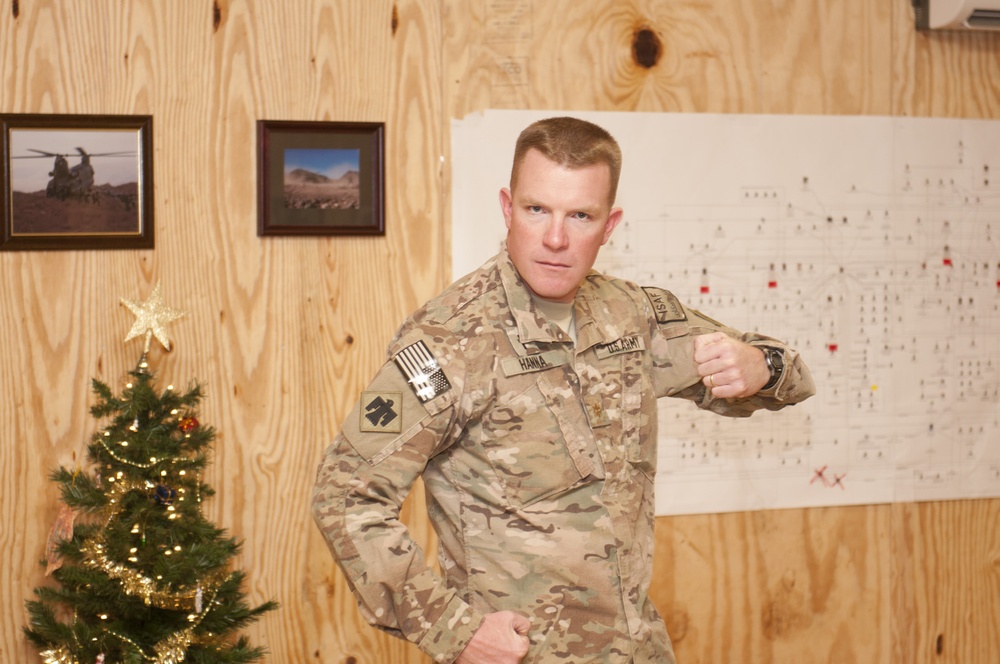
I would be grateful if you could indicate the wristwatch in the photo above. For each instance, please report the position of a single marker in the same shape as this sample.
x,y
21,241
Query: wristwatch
x,y
775,359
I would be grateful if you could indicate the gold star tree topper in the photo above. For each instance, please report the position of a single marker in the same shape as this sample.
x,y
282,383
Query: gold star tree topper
x,y
151,318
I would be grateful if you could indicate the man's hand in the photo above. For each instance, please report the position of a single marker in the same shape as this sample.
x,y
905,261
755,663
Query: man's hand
x,y
729,367
501,639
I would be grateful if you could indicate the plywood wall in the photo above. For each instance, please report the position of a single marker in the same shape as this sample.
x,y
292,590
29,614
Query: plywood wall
x,y
284,332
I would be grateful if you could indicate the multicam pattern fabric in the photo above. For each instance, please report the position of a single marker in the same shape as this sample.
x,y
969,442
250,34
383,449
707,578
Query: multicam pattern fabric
x,y
538,460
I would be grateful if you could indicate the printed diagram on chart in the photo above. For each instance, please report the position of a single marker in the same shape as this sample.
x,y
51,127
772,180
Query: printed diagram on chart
x,y
870,244
888,282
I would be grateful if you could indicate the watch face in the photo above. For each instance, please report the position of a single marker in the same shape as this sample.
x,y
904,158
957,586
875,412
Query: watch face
x,y
776,363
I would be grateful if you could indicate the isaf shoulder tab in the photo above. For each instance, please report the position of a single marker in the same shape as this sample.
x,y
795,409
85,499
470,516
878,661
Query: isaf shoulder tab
x,y
666,306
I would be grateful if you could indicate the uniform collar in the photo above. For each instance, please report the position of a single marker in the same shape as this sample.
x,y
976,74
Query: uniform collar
x,y
595,323
531,326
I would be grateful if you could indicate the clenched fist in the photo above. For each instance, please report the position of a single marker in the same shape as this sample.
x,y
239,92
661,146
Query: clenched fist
x,y
729,367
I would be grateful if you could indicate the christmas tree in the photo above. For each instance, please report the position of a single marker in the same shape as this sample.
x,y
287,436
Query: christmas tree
x,y
142,575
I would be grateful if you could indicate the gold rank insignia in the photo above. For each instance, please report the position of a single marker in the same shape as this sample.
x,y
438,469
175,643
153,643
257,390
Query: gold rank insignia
x,y
596,414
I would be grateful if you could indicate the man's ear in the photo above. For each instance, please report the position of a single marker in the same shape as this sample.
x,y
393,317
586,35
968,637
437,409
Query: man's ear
x,y
506,205
614,218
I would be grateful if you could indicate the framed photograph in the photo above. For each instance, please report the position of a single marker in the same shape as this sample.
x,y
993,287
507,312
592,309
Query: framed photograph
x,y
77,182
320,178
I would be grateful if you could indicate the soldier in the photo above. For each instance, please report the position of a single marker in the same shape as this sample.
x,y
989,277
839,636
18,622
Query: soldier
x,y
525,396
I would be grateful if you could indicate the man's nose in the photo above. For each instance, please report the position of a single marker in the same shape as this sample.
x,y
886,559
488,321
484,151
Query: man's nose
x,y
555,234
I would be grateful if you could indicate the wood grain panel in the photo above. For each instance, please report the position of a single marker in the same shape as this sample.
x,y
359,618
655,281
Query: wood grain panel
x,y
776,586
284,332
946,581
944,74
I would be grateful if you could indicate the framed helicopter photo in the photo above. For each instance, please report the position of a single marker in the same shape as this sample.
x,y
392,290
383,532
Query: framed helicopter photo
x,y
320,178
76,182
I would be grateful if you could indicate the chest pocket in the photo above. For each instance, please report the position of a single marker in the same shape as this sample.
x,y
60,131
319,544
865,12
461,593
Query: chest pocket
x,y
533,451
624,393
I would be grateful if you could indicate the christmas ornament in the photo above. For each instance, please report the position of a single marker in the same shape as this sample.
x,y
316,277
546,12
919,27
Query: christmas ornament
x,y
151,318
165,495
58,655
62,530
188,424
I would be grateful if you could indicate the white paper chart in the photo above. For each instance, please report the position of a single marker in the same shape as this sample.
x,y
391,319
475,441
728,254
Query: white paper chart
x,y
868,243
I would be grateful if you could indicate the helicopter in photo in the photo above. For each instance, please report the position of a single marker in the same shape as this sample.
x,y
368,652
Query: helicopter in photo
x,y
72,182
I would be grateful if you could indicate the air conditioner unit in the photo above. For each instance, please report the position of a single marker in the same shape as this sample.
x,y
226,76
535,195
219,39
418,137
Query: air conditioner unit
x,y
957,14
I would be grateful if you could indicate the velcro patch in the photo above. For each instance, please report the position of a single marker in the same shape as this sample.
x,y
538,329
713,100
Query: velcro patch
x,y
596,414
381,412
667,307
515,366
422,371
623,345
710,320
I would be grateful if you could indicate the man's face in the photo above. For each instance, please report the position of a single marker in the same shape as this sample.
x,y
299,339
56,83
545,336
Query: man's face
x,y
557,220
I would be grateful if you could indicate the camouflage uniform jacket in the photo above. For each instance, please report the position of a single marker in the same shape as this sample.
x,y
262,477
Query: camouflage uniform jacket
x,y
538,460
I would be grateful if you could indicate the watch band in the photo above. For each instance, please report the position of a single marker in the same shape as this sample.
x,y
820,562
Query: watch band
x,y
775,359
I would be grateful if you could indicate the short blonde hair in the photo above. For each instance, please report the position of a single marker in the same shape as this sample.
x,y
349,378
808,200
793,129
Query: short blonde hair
x,y
570,142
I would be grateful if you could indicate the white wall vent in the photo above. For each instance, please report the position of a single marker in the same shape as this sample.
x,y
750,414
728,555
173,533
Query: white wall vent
x,y
957,14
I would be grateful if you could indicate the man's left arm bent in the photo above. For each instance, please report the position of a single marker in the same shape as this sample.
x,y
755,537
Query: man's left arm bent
x,y
720,368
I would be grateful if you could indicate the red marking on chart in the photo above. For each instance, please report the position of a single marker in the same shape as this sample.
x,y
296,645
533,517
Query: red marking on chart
x,y
818,475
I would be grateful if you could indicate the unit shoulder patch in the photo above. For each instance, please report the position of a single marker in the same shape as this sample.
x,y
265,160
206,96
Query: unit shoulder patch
x,y
667,307
381,412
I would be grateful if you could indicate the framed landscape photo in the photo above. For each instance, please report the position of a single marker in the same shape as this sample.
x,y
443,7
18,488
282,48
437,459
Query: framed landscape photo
x,y
76,182
320,178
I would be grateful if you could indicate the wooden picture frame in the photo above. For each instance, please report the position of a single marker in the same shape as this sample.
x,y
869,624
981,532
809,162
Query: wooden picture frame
x,y
320,178
76,182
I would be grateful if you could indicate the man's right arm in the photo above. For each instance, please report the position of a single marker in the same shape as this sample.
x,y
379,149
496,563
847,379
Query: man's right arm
x,y
360,486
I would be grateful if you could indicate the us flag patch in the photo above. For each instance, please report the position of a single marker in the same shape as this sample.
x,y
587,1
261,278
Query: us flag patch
x,y
422,371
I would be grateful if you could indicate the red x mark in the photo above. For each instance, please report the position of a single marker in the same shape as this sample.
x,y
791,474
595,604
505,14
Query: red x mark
x,y
818,475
